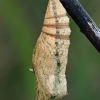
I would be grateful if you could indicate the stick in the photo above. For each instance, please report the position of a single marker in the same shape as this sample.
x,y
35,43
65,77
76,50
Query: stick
x,y
84,21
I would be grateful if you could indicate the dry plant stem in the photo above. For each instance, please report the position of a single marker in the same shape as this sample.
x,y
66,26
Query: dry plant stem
x,y
84,21
51,53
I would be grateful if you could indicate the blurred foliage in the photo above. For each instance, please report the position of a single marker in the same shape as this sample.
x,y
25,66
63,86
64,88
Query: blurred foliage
x,y
20,25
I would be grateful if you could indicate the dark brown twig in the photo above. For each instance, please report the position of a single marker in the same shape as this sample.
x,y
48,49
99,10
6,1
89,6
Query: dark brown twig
x,y
84,21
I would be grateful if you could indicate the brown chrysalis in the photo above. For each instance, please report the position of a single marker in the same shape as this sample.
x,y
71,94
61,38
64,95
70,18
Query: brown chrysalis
x,y
51,53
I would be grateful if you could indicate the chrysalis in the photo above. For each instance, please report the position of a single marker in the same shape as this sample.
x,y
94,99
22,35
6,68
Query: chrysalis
x,y
51,53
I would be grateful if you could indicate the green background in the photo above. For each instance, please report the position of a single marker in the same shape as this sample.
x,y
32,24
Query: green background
x,y
20,25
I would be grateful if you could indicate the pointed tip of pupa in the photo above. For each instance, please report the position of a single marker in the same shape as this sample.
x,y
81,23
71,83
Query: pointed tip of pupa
x,y
54,9
55,16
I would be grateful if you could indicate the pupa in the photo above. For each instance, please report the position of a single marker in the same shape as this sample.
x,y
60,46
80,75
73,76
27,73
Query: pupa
x,y
51,52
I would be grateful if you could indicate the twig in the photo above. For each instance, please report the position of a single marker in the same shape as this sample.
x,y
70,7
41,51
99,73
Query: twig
x,y
84,21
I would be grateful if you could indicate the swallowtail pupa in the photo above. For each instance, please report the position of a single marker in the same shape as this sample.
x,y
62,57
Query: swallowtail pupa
x,y
51,53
